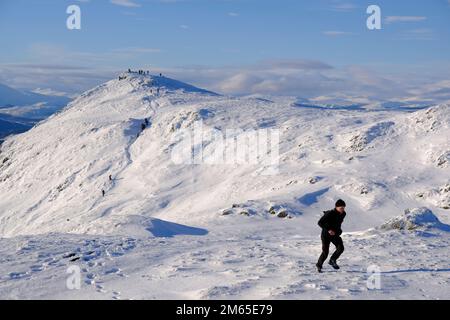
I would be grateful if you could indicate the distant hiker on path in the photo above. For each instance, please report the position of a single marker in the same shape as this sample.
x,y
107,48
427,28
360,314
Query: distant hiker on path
x,y
110,177
331,232
146,121
103,192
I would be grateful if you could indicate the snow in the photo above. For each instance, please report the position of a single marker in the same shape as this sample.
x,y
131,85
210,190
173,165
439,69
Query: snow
x,y
413,219
263,261
202,230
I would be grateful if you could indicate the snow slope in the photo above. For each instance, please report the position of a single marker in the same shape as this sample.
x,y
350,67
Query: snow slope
x,y
222,234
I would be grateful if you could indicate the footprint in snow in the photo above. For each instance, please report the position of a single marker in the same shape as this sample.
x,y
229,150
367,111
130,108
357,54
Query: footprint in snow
x,y
72,256
100,288
90,278
18,275
52,262
316,286
116,295
112,270
37,268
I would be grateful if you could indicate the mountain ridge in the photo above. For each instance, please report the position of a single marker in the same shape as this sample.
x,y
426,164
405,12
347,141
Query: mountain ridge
x,y
52,176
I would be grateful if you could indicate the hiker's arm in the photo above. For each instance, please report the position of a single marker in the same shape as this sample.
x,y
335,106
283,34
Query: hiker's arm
x,y
324,221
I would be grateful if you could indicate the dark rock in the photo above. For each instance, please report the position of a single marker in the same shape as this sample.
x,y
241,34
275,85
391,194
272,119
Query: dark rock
x,y
227,212
282,214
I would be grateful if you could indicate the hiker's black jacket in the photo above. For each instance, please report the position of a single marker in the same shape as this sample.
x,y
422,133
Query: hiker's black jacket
x,y
332,220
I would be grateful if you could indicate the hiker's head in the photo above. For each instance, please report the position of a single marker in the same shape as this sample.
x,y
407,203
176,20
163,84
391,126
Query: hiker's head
x,y
340,206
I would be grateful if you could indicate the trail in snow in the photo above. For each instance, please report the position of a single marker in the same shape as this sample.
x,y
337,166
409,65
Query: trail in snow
x,y
275,263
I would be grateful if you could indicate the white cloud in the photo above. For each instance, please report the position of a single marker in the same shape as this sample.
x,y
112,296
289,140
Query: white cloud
x,y
351,84
394,19
237,82
125,3
439,89
137,50
337,33
62,55
235,14
50,92
292,64
418,34
343,6
57,78
313,80
278,77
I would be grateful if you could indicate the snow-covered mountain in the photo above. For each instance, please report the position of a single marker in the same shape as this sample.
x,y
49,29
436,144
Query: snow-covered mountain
x,y
382,162
20,110
56,171
12,97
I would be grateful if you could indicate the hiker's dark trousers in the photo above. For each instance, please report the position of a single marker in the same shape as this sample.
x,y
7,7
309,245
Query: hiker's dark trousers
x,y
326,240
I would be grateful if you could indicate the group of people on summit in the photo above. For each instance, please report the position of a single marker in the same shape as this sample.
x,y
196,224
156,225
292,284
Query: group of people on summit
x,y
141,72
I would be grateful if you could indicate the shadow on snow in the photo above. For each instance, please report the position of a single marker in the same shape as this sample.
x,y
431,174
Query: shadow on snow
x,y
161,228
311,198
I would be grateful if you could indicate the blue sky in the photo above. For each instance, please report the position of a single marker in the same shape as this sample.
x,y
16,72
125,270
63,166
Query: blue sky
x,y
309,48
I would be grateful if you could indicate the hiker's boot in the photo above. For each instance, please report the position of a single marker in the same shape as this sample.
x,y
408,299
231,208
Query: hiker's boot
x,y
333,264
319,268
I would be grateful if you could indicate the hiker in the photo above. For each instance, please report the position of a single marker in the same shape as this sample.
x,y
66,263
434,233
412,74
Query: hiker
x,y
129,70
160,74
103,192
110,177
143,126
331,233
146,121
